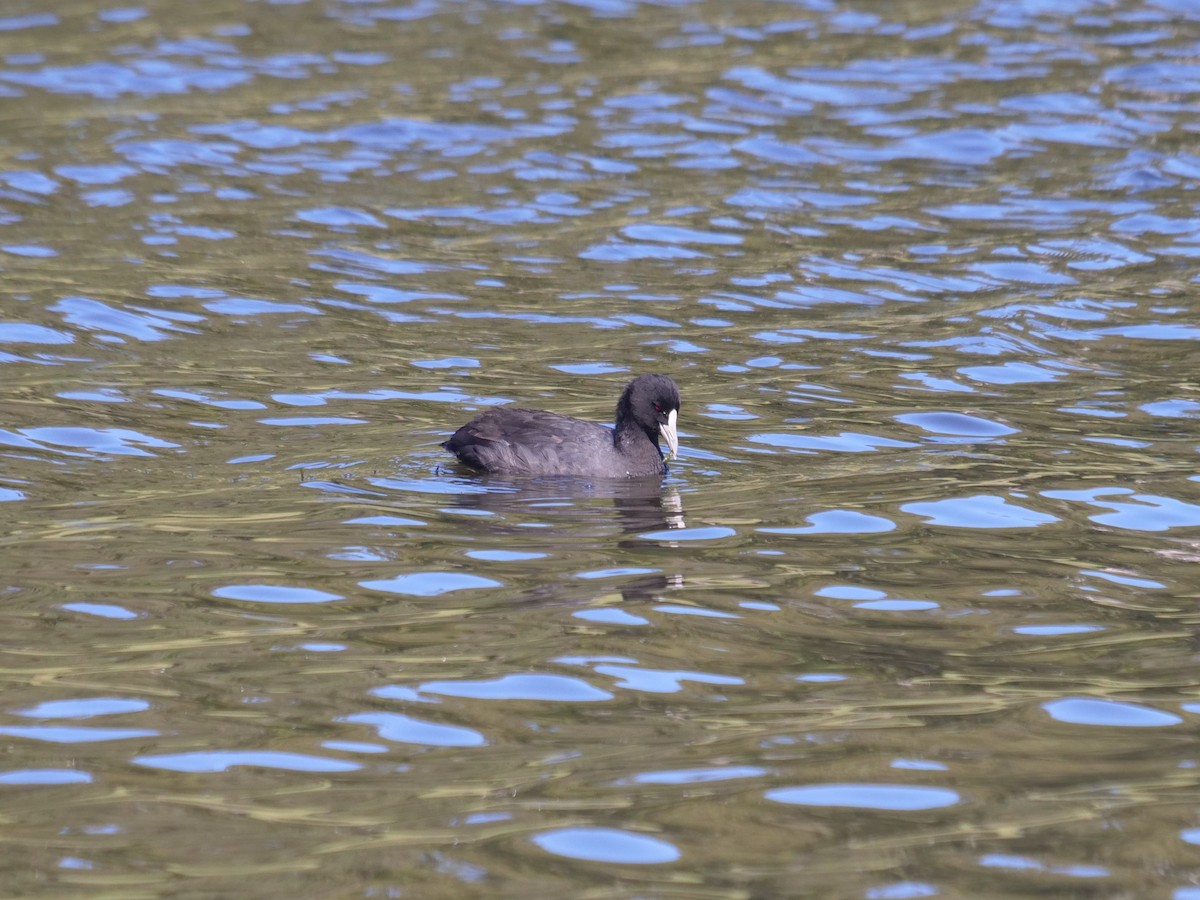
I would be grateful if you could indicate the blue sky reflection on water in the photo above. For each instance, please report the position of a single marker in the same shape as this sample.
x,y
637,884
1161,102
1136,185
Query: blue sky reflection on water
x,y
917,589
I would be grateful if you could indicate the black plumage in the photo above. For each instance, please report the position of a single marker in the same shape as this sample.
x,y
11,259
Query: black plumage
x,y
516,441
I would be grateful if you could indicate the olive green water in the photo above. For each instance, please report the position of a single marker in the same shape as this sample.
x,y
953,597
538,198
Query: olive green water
x,y
913,615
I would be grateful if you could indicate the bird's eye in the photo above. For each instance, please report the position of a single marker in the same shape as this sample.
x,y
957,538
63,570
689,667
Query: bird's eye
x,y
657,408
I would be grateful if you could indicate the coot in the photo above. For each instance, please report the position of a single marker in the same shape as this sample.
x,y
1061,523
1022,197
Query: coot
x,y
515,441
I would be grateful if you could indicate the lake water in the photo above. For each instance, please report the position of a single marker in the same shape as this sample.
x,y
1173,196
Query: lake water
x,y
913,615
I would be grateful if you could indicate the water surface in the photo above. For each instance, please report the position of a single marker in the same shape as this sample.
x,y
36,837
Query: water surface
x,y
911,616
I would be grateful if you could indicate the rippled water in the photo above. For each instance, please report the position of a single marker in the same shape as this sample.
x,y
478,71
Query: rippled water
x,y
913,615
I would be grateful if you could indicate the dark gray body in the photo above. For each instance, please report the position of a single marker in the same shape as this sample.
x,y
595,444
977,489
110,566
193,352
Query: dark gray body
x,y
518,441
515,441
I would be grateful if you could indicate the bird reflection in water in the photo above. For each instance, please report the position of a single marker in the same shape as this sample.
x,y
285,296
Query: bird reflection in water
x,y
581,514
641,505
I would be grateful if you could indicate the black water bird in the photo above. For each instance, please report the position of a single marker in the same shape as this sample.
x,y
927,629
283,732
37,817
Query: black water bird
x,y
515,441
